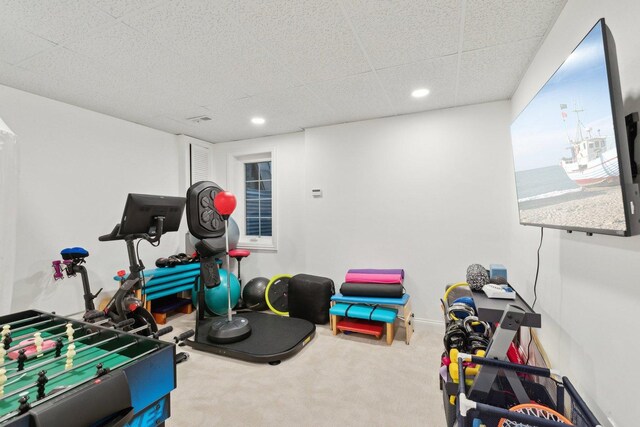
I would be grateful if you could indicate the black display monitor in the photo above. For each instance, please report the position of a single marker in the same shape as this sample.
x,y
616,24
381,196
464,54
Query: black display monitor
x,y
141,211
570,149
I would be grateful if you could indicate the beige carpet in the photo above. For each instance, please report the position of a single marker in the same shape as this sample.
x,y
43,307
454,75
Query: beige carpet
x,y
334,381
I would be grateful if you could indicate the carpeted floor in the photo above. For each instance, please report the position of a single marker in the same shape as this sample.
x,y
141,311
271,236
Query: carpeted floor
x,y
334,381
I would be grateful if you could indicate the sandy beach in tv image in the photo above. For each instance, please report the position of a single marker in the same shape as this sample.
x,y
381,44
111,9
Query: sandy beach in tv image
x,y
564,148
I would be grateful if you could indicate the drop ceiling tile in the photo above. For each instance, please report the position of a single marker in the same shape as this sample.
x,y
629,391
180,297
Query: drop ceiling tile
x,y
493,22
354,98
285,111
189,28
240,58
438,75
56,21
296,102
20,78
166,79
62,65
17,45
48,87
120,47
311,38
493,73
212,43
119,8
204,131
404,31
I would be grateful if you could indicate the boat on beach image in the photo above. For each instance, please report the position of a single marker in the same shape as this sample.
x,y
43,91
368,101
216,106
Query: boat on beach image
x,y
592,161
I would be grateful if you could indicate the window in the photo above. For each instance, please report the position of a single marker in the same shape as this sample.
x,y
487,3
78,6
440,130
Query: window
x,y
251,176
258,198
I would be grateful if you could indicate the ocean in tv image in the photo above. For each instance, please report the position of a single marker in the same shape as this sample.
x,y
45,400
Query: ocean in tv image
x,y
564,148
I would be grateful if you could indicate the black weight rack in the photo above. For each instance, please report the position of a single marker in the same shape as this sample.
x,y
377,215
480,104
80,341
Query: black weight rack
x,y
500,384
565,401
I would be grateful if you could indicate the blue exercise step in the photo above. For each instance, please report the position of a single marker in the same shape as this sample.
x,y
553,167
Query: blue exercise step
x,y
166,281
371,300
366,312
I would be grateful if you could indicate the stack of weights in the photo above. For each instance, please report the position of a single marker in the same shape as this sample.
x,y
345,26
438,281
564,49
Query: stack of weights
x,y
465,333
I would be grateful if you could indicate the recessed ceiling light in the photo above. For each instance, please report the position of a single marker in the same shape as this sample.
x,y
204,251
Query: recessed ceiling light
x,y
420,93
258,120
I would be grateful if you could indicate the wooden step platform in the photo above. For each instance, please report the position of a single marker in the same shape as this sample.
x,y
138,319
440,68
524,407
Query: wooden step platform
x,y
165,306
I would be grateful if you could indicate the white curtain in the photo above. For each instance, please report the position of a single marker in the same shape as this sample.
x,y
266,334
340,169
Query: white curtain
x,y
8,210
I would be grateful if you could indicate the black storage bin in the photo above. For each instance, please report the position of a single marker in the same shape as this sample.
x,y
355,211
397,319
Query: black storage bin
x,y
310,298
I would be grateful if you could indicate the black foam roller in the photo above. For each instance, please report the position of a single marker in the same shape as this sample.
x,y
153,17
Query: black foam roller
x,y
377,290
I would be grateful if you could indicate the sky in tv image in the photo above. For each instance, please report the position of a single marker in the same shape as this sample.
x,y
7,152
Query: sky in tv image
x,y
539,135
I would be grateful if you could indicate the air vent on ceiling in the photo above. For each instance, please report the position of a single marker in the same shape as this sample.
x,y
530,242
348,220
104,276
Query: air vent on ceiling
x,y
199,119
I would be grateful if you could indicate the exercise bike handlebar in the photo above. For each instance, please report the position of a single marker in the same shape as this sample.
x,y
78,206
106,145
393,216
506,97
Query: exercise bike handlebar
x,y
150,237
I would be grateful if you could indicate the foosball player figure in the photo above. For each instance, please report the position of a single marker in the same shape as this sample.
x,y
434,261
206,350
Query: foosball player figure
x,y
3,354
71,352
70,332
5,330
7,341
24,404
37,340
42,381
59,346
3,380
101,370
22,357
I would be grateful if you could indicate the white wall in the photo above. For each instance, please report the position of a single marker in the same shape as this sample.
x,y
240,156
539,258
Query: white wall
x,y
8,214
290,175
589,290
424,192
76,168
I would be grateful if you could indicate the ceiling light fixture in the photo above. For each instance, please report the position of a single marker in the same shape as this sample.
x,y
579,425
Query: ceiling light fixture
x,y
258,120
420,93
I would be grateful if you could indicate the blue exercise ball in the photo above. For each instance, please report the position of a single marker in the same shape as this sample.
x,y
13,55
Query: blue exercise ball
x,y
216,298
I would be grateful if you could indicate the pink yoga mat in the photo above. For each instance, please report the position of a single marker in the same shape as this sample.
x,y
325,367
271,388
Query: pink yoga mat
x,y
377,271
372,278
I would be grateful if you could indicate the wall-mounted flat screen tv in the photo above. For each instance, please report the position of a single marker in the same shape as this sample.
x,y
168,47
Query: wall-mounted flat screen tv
x,y
570,148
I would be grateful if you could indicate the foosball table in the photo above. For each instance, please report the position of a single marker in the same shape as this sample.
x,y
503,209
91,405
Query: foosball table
x,y
56,371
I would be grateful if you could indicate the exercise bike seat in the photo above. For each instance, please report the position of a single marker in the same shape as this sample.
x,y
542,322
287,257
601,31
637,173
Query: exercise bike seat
x,y
75,253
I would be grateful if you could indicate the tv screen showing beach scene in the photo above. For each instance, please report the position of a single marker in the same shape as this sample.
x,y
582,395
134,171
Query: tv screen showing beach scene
x,y
564,147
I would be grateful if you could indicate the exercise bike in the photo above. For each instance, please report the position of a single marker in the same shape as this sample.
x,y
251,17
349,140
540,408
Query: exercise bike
x,y
124,311
145,217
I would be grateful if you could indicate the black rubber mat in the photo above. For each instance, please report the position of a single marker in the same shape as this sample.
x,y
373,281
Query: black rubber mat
x,y
273,338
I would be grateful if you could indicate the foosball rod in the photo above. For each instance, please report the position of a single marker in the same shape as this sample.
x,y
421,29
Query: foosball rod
x,y
156,334
31,325
71,387
63,334
48,361
28,319
25,388
40,330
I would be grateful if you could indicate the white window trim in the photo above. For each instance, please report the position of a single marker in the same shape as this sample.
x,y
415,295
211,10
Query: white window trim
x,y
236,184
